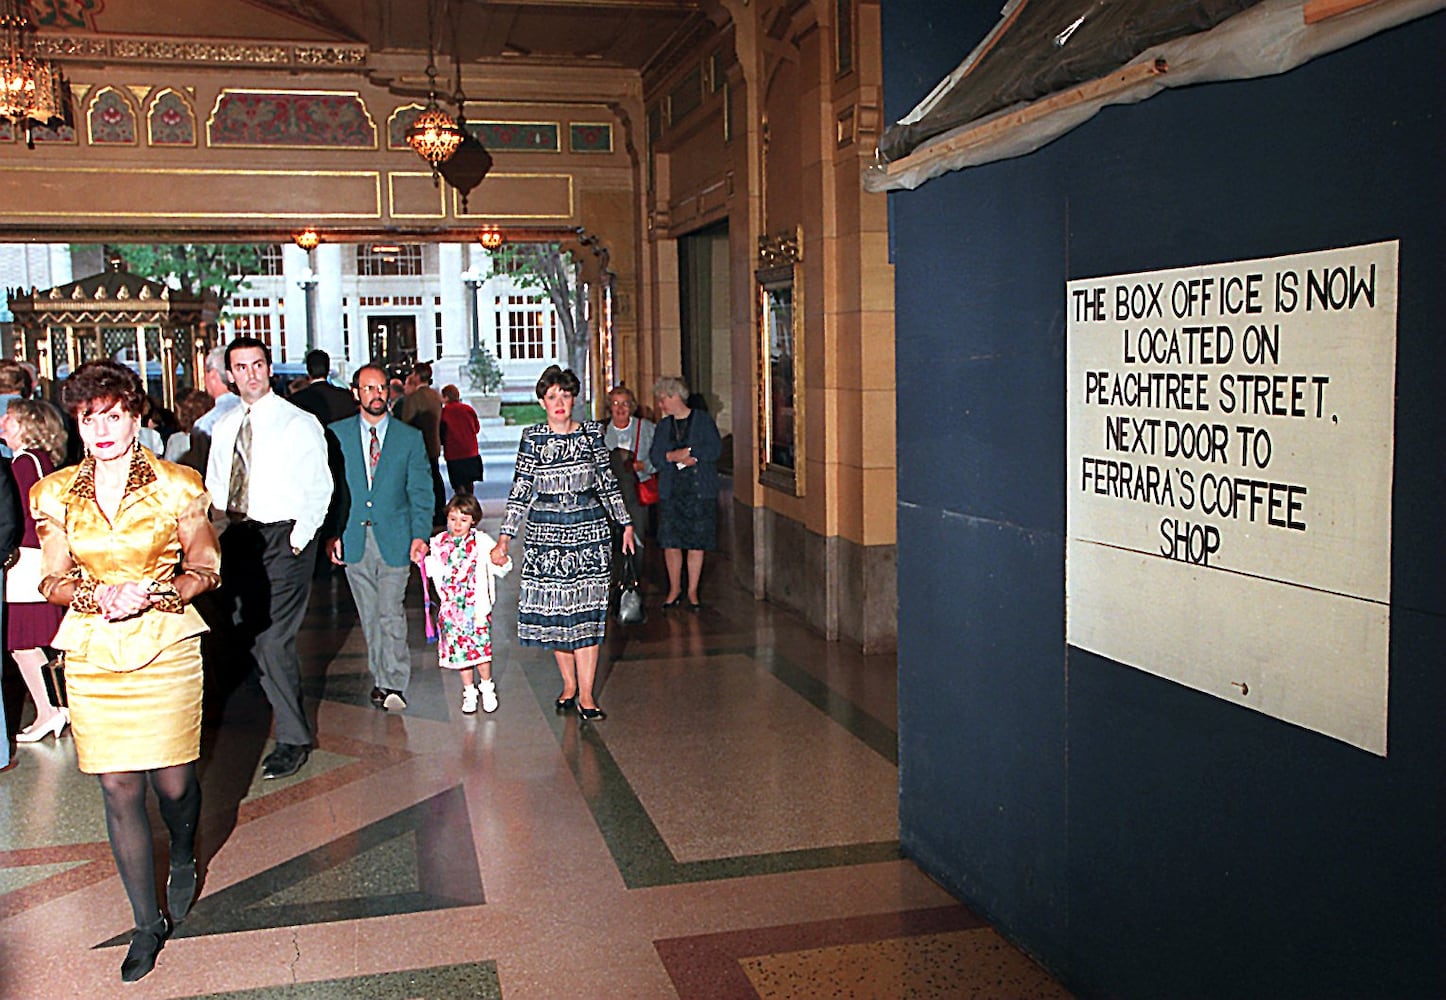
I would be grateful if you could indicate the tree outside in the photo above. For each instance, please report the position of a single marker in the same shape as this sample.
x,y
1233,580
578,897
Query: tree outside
x,y
222,268
547,267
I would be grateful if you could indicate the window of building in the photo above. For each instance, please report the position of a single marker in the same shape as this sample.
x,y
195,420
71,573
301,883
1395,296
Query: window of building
x,y
377,259
388,300
345,330
437,332
252,316
271,260
526,328
510,263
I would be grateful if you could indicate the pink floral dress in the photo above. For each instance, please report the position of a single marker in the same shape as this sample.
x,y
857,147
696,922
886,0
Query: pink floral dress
x,y
462,572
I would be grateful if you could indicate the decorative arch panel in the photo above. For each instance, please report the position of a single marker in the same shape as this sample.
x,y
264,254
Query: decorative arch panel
x,y
110,118
170,119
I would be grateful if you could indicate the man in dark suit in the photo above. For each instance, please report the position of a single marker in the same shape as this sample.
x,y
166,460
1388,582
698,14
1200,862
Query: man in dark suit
x,y
320,398
328,404
422,408
385,529
12,526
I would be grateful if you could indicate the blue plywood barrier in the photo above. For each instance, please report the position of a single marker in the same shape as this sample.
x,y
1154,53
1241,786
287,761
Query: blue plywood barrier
x,y
1143,839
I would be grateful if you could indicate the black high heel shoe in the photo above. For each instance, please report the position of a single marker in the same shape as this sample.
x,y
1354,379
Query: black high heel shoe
x,y
591,714
181,890
564,705
146,944
676,602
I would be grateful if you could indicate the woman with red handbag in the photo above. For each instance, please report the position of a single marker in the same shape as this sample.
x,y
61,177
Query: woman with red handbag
x,y
630,432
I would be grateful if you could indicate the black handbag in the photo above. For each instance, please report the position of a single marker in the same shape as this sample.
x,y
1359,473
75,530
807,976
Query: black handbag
x,y
630,598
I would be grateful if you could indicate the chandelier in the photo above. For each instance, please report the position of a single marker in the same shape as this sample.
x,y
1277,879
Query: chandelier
x,y
435,135
470,162
32,91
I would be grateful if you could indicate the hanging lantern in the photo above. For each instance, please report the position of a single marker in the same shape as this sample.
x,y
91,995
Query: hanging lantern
x,y
434,136
32,90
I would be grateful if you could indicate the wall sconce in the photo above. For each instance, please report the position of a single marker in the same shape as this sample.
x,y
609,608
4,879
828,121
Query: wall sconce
x,y
307,239
491,237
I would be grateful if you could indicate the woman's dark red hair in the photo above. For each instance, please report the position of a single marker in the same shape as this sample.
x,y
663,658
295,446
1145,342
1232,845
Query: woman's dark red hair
x,y
99,385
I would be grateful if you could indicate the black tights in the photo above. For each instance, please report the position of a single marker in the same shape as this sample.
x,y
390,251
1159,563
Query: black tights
x,y
178,794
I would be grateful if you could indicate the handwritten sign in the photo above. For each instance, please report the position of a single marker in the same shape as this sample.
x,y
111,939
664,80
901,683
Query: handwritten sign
x,y
1230,447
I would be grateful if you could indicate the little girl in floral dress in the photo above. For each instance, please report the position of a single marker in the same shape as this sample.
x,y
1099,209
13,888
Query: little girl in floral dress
x,y
457,561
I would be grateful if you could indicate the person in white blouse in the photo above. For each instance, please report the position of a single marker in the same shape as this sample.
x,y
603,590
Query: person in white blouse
x,y
271,495
632,433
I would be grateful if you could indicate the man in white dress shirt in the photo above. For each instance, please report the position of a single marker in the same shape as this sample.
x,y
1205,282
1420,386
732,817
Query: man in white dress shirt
x,y
269,481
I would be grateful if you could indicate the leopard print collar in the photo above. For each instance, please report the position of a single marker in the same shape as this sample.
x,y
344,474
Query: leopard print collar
x,y
140,475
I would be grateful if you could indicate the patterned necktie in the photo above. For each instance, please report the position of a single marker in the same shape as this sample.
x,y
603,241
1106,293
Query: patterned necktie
x,y
374,452
238,491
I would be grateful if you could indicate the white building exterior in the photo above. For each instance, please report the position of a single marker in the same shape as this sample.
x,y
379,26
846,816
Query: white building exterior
x,y
396,303
32,265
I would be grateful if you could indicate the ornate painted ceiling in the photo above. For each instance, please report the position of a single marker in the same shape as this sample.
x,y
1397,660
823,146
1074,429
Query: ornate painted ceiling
x,y
630,34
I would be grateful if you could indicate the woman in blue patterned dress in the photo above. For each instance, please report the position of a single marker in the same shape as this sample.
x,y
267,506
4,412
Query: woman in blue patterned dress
x,y
564,488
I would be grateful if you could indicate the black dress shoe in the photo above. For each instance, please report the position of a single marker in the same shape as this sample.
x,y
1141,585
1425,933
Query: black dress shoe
x,y
564,705
591,714
694,607
286,759
674,603
379,699
181,890
145,945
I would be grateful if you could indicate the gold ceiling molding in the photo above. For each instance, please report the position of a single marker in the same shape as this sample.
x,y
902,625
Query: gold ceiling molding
x,y
226,194
196,52
141,92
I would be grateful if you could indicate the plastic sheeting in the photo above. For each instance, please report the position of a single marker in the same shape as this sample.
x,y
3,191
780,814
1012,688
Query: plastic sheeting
x,y
1264,38
1041,47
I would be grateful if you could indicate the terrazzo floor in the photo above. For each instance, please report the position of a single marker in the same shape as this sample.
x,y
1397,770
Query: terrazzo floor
x,y
730,831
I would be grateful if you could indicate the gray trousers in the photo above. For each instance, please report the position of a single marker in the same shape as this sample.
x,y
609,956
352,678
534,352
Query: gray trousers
x,y
378,590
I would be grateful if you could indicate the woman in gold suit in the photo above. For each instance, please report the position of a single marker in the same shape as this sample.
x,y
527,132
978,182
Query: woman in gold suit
x,y
125,545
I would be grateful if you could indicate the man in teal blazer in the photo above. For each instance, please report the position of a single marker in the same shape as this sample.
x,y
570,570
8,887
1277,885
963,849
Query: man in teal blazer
x,y
385,530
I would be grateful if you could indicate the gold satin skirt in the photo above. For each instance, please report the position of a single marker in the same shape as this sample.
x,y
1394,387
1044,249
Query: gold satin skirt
x,y
139,720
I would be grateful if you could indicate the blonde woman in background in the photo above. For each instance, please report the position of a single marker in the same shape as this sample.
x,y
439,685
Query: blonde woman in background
x,y
686,448
36,434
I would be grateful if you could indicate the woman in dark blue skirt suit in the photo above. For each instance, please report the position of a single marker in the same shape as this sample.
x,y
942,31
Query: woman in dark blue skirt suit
x,y
685,451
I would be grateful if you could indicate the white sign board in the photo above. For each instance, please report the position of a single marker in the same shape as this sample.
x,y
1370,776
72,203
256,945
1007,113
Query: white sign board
x,y
1230,447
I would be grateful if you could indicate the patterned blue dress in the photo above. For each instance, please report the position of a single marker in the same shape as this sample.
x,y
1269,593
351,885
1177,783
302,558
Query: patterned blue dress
x,y
564,488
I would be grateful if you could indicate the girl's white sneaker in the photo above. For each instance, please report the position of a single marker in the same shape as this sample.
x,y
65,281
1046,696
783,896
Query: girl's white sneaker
x,y
489,696
469,700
